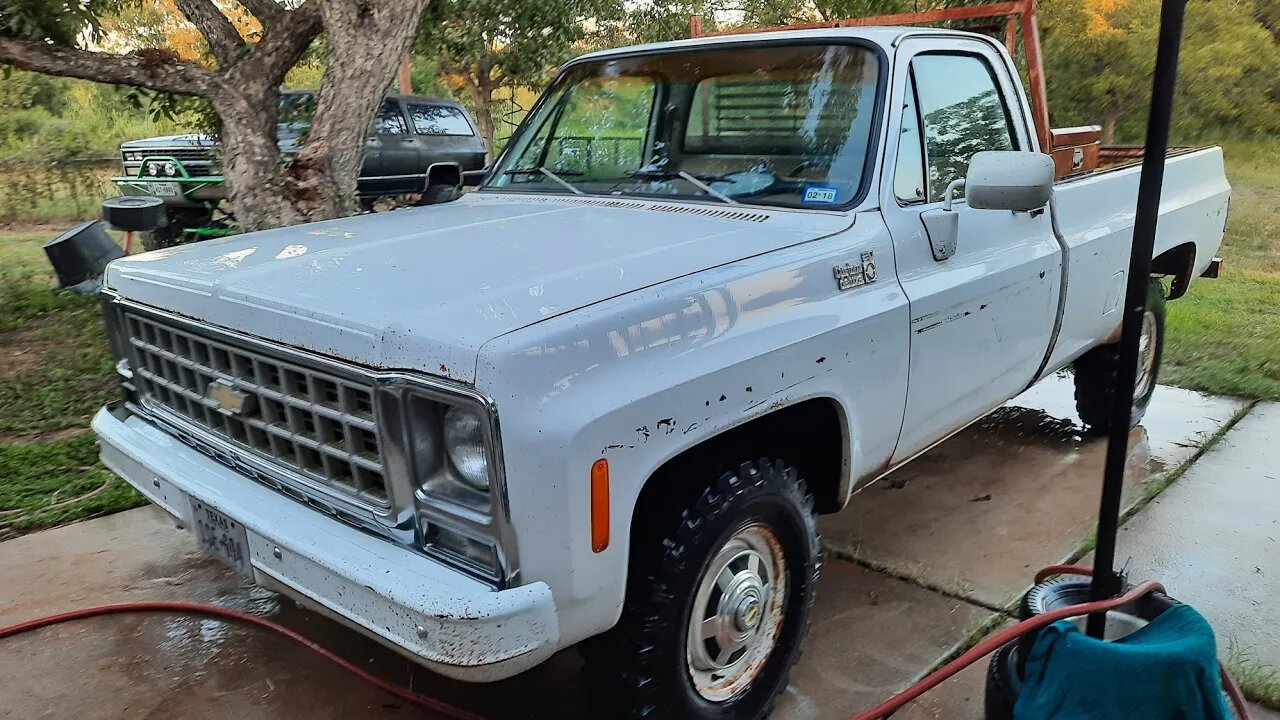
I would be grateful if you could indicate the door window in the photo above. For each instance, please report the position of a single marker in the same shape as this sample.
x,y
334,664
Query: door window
x,y
908,177
963,113
390,121
438,120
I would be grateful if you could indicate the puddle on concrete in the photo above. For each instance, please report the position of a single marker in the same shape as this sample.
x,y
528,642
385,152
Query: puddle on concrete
x,y
1016,491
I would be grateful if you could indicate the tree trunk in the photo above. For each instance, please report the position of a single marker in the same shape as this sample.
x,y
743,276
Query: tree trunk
x,y
250,160
1112,111
366,43
482,99
1110,119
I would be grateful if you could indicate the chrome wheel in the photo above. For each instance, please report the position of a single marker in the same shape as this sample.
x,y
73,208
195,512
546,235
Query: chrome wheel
x,y
1146,355
737,613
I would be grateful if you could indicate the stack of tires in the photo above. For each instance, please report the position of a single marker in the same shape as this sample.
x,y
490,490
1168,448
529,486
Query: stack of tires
x,y
1005,673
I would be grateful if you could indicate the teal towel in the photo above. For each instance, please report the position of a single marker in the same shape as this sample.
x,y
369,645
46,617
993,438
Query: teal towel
x,y
1166,670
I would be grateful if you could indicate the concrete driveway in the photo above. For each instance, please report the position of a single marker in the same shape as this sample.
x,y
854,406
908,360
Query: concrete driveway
x,y
921,564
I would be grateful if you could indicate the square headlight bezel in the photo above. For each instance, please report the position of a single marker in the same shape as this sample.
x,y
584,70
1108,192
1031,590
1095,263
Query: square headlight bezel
x,y
399,399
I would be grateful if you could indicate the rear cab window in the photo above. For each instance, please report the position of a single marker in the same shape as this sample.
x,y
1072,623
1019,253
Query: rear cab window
x,y
438,120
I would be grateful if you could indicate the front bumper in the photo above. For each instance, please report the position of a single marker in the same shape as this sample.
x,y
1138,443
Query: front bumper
x,y
449,622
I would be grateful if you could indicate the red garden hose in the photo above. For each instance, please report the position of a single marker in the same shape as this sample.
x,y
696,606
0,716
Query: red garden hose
x,y
994,642
403,693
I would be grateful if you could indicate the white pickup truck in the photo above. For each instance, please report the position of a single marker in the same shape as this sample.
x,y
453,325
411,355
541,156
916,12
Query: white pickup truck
x,y
711,288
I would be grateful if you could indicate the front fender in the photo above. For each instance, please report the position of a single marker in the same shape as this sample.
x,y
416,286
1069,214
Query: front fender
x,y
644,377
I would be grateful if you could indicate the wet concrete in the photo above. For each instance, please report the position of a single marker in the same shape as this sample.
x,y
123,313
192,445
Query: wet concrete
x,y
1213,538
872,633
980,513
871,636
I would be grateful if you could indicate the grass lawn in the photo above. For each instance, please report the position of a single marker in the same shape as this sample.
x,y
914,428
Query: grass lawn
x,y
55,371
1224,336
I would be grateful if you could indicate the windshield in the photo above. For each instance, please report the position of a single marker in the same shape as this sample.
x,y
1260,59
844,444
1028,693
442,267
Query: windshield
x,y
786,125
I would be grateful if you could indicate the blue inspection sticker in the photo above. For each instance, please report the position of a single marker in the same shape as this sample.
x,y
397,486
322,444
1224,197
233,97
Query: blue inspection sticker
x,y
820,194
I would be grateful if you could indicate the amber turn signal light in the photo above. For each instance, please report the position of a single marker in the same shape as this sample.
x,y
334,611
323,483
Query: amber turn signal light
x,y
599,505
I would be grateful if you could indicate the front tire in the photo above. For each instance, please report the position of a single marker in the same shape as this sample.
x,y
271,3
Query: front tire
x,y
716,609
1096,370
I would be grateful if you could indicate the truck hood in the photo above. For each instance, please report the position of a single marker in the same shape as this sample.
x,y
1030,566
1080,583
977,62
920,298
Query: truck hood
x,y
287,138
191,140
423,289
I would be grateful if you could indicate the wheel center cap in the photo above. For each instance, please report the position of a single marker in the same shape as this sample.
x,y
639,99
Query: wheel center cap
x,y
747,615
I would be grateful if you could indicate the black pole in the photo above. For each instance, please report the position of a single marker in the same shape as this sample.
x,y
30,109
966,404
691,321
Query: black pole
x,y
1106,582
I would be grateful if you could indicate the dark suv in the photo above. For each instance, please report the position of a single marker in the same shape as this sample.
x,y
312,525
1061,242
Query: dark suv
x,y
419,146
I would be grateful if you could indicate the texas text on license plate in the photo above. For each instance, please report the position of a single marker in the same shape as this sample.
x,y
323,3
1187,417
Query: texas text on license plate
x,y
221,536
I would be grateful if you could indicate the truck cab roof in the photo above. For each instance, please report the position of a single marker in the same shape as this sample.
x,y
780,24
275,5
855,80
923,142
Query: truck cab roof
x,y
884,36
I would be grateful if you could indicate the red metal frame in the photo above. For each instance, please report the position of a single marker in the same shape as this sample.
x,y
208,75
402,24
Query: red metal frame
x,y
1019,15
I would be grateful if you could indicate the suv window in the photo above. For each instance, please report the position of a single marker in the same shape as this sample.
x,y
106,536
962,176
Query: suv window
x,y
963,112
438,120
390,121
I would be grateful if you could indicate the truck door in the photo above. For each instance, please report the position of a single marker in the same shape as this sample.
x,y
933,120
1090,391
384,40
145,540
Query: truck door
x,y
982,318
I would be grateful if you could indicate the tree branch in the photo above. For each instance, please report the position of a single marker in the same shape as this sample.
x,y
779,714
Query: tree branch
x,y
224,40
280,47
158,70
267,11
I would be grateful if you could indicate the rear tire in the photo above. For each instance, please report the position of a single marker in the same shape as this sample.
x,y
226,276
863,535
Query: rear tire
x,y
716,607
438,194
1096,371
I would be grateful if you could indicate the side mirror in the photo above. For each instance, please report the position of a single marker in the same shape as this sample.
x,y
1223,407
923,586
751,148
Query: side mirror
x,y
1009,180
997,180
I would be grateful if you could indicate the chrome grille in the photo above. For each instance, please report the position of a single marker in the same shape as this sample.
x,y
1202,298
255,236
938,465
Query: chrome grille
x,y
312,423
182,154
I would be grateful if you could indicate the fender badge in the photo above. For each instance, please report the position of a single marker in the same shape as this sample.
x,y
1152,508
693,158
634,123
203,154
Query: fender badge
x,y
851,275
226,399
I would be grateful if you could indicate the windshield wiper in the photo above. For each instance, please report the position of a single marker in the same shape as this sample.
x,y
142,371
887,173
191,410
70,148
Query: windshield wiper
x,y
553,175
698,181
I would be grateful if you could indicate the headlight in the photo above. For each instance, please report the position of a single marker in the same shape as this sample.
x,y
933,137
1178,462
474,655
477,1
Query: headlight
x,y
153,169
454,461
464,442
170,169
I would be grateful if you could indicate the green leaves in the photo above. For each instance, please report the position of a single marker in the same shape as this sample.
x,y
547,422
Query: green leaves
x,y
60,21
1099,58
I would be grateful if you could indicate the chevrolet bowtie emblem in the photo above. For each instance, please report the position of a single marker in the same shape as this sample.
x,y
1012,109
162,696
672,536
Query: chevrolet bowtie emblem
x,y
226,399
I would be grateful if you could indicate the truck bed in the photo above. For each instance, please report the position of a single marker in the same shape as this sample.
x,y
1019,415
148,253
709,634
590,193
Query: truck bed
x,y
1096,213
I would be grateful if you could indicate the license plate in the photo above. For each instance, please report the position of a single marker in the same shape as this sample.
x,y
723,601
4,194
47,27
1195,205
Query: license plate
x,y
221,537
165,189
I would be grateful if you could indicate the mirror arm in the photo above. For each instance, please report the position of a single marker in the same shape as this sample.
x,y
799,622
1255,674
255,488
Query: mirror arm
x,y
949,196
